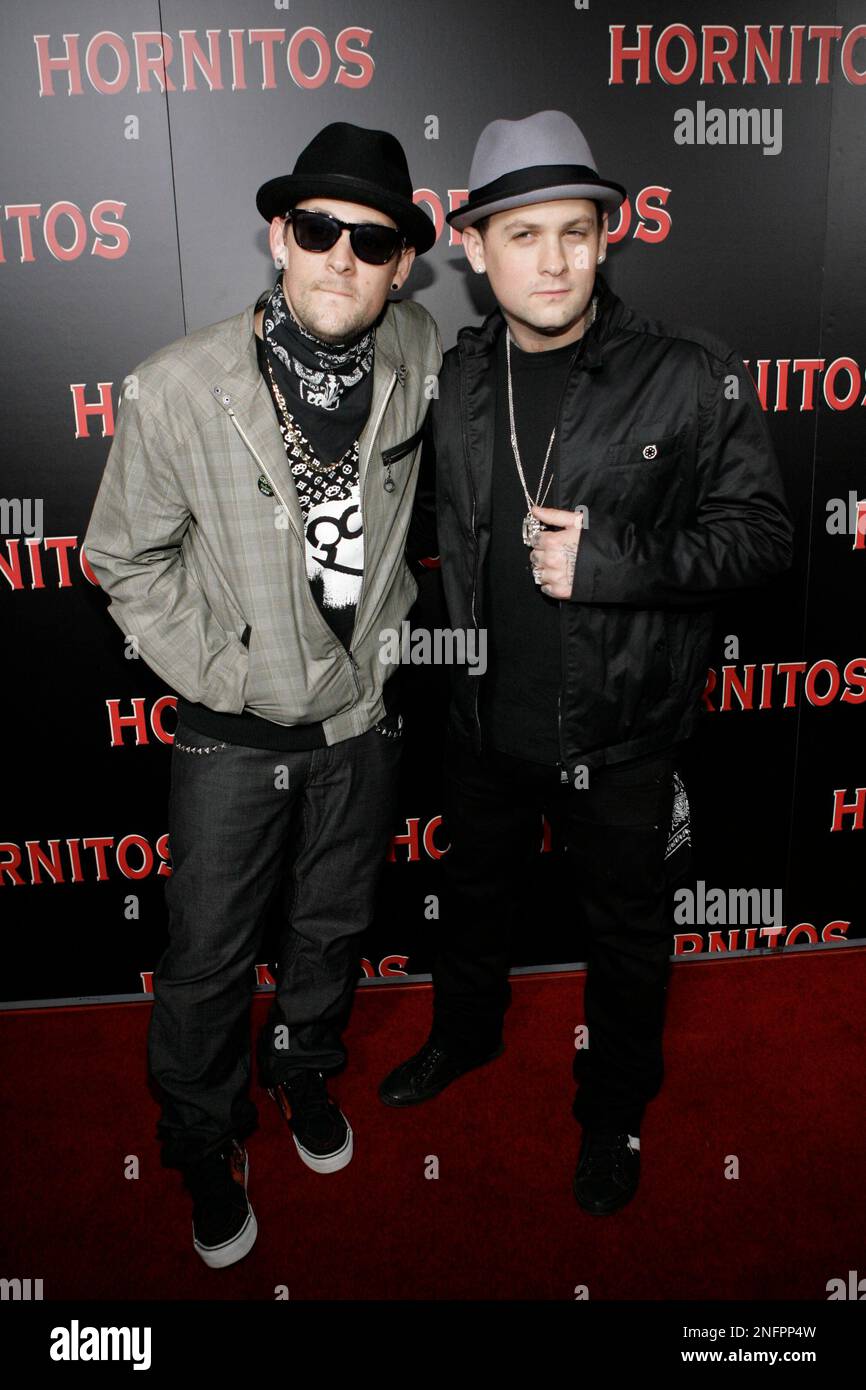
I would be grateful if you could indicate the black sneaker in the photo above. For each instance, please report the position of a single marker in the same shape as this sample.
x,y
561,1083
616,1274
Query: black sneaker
x,y
223,1225
426,1074
322,1134
607,1172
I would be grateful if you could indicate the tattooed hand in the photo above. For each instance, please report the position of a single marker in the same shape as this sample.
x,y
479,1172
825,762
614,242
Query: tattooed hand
x,y
554,555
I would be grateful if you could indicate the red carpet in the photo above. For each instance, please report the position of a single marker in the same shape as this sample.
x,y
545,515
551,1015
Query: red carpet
x,y
766,1060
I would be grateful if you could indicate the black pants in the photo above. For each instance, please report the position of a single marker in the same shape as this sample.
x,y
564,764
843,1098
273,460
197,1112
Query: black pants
x,y
614,833
248,828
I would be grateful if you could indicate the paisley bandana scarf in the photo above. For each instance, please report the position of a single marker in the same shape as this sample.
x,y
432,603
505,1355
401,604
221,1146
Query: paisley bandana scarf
x,y
328,386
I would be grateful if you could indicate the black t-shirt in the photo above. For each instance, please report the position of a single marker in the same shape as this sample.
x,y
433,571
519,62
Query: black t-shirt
x,y
519,697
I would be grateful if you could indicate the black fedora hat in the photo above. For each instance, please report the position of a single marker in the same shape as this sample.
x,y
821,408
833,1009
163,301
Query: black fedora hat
x,y
358,166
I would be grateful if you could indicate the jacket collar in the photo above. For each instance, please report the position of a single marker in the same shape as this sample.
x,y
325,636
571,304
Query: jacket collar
x,y
481,340
237,382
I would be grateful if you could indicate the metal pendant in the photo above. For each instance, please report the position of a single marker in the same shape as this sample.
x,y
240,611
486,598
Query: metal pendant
x,y
531,528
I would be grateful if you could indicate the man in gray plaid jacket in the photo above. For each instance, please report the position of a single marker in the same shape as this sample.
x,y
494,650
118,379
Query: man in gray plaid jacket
x,y
250,531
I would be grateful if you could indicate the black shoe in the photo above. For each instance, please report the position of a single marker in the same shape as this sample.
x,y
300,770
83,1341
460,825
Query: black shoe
x,y
607,1172
223,1225
426,1074
322,1134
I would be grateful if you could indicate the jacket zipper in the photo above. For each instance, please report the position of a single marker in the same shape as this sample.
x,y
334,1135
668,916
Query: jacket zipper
x,y
365,489
563,770
353,667
463,414
356,673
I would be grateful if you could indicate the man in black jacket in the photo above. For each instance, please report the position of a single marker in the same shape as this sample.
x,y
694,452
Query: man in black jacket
x,y
600,478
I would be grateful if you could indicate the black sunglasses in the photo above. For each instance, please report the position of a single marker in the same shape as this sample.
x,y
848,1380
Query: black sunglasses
x,y
319,231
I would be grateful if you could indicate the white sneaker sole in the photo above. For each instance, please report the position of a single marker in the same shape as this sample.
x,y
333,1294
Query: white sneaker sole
x,y
220,1256
328,1163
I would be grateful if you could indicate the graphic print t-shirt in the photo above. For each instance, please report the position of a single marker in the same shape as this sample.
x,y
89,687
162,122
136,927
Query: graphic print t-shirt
x,y
333,525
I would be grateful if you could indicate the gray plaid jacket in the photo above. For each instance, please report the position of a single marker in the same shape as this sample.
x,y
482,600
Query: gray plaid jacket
x,y
192,550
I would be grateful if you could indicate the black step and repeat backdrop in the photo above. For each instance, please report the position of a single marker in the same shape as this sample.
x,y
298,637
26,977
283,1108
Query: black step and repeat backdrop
x,y
135,136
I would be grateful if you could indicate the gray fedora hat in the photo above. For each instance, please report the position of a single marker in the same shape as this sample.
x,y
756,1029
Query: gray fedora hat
x,y
535,160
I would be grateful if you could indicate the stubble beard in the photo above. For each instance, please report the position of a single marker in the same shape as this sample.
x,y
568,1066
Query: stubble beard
x,y
310,311
546,329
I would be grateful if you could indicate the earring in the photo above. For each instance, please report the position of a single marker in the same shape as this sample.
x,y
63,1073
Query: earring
x,y
600,259
394,285
280,260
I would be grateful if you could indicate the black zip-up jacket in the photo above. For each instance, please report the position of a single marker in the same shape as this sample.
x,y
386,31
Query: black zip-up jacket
x,y
663,439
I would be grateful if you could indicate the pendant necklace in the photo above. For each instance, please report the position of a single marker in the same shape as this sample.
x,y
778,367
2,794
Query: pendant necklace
x,y
531,526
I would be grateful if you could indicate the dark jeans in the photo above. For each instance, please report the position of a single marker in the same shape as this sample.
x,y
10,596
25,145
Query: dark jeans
x,y
614,833
244,834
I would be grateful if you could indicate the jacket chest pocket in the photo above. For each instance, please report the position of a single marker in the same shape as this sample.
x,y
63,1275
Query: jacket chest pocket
x,y
647,449
396,453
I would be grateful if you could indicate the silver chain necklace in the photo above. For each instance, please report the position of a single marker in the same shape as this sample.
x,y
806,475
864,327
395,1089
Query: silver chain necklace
x,y
531,526
299,440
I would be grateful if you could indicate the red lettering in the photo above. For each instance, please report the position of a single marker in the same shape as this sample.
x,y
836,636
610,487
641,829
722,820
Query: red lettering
x,y
39,860
134,842
160,706
346,54
851,73
824,33
809,366
832,690
790,670
719,58
835,401
320,43
430,845
23,214
99,844
619,54
756,48
108,86
192,57
855,808
646,211
676,76
47,66
410,839
267,38
164,869
118,722
82,410
79,229
101,223
731,684
157,63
